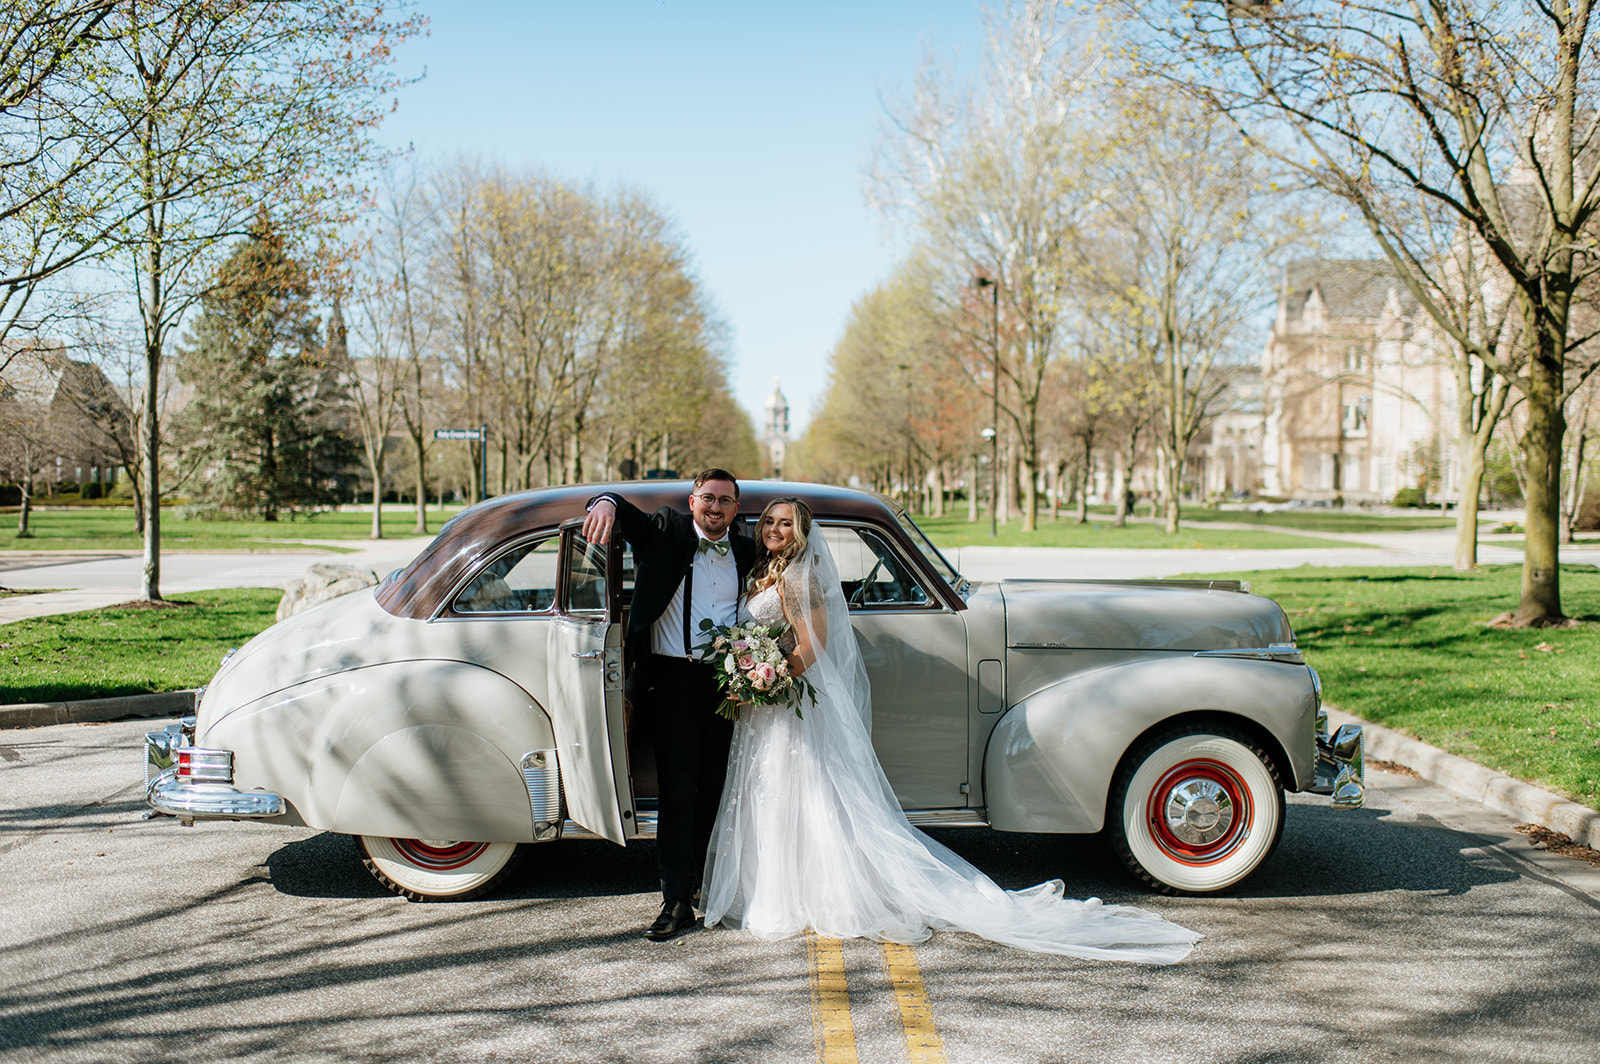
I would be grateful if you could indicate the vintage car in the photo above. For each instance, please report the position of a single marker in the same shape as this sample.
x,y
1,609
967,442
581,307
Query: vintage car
x,y
473,703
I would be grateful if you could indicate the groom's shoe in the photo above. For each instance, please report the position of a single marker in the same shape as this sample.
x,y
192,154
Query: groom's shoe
x,y
676,918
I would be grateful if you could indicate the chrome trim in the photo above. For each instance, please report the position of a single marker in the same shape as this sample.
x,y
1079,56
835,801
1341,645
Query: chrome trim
x,y
1340,771
1287,653
948,818
188,801
541,771
1198,811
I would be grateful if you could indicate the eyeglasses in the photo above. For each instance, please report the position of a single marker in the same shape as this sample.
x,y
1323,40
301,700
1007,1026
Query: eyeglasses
x,y
722,501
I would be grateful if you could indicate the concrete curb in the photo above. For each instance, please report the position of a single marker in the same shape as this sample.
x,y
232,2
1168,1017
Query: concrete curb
x,y
97,710
1494,790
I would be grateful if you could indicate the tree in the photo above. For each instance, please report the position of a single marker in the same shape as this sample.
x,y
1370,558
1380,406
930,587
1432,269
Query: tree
x,y
994,188
1477,112
1179,242
267,413
237,107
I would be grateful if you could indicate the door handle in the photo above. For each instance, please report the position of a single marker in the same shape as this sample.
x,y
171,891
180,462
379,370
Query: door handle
x,y
591,654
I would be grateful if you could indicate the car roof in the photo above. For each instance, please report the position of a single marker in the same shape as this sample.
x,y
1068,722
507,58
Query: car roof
x,y
421,588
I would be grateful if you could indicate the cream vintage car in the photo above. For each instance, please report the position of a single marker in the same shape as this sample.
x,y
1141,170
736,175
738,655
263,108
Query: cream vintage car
x,y
471,707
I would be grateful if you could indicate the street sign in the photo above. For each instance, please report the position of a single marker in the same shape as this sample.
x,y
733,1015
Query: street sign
x,y
458,434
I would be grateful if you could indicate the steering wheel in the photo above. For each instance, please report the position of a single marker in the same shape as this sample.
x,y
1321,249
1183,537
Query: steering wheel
x,y
859,595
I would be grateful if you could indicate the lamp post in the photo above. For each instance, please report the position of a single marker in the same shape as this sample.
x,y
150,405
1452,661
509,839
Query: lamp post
x,y
993,432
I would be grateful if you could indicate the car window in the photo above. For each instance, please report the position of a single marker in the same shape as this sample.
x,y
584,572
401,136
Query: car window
x,y
871,574
586,576
522,580
929,551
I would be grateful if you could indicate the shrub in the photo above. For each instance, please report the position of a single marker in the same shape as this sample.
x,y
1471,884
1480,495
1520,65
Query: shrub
x,y
91,490
1410,497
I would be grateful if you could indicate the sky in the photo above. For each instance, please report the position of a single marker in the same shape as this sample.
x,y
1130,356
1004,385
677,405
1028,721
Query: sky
x,y
750,123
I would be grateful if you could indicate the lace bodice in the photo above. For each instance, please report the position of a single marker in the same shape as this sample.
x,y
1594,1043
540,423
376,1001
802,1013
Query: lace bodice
x,y
764,607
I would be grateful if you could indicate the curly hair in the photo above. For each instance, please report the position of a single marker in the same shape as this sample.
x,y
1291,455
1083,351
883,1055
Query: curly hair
x,y
769,567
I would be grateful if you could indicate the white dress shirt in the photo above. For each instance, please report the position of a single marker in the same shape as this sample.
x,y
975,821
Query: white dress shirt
x,y
716,595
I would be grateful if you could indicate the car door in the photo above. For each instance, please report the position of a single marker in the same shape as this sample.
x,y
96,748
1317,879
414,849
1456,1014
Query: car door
x,y
915,651
584,657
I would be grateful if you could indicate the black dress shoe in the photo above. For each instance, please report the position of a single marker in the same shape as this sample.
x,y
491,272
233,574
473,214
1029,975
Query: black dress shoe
x,y
676,918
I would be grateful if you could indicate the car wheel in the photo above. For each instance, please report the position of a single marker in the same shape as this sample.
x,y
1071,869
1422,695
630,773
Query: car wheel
x,y
434,869
1195,810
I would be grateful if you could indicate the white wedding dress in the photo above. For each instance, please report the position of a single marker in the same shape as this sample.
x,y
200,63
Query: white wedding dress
x,y
809,834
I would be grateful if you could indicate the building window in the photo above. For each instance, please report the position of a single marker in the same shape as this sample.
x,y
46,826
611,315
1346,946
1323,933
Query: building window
x,y
1353,416
1355,360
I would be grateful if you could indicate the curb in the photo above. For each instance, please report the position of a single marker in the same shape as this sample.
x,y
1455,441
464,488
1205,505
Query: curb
x,y
1493,790
97,710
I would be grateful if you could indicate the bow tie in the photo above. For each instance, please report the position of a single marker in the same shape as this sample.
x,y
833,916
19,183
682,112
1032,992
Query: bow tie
x,y
718,545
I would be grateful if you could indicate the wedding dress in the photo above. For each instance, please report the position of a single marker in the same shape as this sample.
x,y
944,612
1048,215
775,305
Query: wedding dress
x,y
809,834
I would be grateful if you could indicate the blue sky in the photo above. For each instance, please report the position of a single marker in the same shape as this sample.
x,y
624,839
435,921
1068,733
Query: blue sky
x,y
750,123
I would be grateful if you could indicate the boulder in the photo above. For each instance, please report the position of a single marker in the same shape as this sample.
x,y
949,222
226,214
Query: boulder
x,y
322,583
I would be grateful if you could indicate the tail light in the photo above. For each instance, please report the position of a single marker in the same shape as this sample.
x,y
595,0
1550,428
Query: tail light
x,y
204,766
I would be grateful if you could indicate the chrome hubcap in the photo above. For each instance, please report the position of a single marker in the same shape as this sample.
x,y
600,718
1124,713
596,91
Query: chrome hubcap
x,y
1198,811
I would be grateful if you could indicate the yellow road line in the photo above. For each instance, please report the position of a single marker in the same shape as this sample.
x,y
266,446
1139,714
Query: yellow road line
x,y
830,1002
916,1015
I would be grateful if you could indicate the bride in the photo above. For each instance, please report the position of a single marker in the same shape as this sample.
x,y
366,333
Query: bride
x,y
809,834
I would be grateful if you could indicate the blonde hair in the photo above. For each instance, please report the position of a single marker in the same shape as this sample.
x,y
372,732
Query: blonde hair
x,y
769,567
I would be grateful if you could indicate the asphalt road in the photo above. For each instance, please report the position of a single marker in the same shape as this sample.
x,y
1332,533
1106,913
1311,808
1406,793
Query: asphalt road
x,y
1417,929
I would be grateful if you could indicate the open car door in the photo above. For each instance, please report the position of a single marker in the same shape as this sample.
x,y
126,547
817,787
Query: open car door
x,y
585,660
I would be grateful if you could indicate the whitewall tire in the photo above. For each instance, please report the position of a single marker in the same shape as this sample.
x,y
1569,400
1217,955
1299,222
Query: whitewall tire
x,y
436,869
1195,810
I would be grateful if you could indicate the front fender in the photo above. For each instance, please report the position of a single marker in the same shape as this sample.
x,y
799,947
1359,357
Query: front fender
x,y
404,749
1049,761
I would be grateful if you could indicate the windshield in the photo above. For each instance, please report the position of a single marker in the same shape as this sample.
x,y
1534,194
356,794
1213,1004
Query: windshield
x,y
945,570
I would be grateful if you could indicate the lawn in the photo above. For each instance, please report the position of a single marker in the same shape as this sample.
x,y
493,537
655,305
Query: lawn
x,y
1099,531
98,528
1317,519
128,650
1409,649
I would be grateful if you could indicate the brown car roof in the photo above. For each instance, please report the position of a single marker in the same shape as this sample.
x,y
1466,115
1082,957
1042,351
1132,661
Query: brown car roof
x,y
421,588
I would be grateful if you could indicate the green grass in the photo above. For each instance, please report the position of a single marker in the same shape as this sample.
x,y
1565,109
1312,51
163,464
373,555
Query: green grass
x,y
125,651
1409,649
93,528
1316,519
957,531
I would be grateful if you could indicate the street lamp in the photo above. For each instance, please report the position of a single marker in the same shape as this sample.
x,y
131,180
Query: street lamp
x,y
992,433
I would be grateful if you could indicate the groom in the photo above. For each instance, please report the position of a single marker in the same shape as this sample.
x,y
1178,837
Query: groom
x,y
684,571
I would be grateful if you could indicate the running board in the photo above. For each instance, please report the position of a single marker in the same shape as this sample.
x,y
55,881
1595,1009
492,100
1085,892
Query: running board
x,y
645,821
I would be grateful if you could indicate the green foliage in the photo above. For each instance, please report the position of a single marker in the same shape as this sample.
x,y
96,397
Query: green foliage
x,y
1413,497
129,650
1411,649
267,422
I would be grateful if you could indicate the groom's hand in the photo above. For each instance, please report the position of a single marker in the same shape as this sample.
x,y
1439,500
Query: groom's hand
x,y
597,524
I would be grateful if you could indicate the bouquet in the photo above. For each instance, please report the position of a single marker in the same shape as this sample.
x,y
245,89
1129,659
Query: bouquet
x,y
751,667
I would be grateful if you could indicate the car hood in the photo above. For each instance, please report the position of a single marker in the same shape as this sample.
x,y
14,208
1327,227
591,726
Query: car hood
x,y
347,633
1139,615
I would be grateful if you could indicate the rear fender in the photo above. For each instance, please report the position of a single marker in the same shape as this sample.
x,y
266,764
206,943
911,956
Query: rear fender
x,y
406,749
1049,761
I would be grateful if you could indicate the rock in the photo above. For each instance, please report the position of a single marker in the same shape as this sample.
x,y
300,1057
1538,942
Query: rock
x,y
322,583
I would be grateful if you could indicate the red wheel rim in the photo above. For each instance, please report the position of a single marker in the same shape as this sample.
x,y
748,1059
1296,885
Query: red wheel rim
x,y
1199,811
439,856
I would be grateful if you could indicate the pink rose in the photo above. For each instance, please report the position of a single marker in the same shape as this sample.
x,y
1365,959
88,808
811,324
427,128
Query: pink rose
x,y
759,684
746,662
767,672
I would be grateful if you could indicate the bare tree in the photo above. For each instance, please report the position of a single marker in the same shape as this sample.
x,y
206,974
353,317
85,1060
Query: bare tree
x,y
993,184
246,113
1478,110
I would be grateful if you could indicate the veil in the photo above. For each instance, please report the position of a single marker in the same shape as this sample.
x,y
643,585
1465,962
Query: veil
x,y
810,835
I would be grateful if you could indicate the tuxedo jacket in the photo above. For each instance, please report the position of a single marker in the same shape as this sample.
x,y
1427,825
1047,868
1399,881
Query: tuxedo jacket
x,y
664,545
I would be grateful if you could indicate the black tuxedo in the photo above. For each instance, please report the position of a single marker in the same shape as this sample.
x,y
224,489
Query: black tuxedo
x,y
680,696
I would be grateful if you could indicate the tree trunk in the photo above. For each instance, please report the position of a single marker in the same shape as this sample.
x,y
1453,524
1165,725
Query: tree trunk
x,y
972,492
1119,488
150,577
1540,604
25,485
418,444
1467,511
1170,493
375,468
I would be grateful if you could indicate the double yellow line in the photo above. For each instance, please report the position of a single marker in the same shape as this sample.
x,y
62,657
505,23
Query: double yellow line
x,y
830,1003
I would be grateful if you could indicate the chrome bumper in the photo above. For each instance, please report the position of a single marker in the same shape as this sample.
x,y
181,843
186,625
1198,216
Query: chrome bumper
x,y
190,800
1341,769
